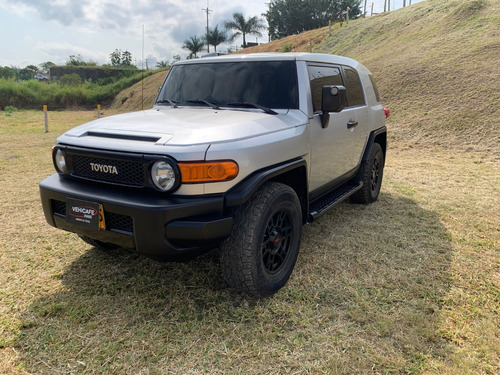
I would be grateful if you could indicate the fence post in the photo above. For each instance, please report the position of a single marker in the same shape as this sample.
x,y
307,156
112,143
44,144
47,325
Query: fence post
x,y
310,46
98,111
46,118
372,10
329,27
364,9
347,14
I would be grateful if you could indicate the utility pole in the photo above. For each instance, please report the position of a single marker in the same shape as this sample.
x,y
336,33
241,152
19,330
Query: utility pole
x,y
269,13
207,10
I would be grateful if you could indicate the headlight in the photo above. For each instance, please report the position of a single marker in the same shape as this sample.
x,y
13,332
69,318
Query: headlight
x,y
60,161
163,175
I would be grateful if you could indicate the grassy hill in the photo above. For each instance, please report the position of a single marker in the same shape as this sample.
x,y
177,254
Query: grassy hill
x,y
131,98
435,62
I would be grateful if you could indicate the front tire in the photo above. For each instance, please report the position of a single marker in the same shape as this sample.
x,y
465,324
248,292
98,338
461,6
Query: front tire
x,y
260,254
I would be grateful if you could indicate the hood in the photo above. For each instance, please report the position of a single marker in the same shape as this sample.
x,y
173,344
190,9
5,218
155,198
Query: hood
x,y
188,126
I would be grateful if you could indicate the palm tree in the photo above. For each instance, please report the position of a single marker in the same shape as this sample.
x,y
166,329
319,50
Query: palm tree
x,y
162,64
194,44
216,37
252,25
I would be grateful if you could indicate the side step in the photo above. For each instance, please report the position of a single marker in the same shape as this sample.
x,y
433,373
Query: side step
x,y
330,199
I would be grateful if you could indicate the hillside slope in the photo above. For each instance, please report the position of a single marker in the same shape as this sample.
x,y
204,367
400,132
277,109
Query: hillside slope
x,y
131,98
436,65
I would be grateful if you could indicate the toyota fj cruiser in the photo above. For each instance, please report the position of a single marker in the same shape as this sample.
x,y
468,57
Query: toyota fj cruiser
x,y
239,151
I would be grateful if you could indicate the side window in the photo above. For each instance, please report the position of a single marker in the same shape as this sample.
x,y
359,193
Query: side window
x,y
375,89
354,89
320,76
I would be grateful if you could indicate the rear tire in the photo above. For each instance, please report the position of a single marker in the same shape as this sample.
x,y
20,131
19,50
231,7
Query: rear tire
x,y
98,244
372,173
260,254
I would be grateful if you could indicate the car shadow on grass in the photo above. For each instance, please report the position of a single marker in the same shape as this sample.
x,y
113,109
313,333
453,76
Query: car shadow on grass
x,y
365,296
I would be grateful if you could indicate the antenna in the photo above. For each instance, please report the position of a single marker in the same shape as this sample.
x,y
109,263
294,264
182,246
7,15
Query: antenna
x,y
142,71
207,10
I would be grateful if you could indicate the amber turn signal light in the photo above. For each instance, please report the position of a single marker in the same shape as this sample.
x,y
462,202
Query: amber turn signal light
x,y
214,171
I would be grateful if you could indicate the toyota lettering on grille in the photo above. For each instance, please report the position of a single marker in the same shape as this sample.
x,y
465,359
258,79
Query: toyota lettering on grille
x,y
110,169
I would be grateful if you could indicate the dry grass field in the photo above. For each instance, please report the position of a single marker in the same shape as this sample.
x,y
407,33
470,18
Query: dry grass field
x,y
408,285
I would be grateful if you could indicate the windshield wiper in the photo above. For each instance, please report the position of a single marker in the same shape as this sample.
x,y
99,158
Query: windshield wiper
x,y
252,105
210,104
173,103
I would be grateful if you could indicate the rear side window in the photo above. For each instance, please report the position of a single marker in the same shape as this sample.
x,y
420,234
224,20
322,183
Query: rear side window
x,y
375,89
354,89
320,76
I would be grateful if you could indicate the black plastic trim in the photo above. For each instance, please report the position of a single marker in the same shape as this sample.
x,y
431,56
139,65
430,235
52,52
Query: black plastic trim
x,y
195,218
242,192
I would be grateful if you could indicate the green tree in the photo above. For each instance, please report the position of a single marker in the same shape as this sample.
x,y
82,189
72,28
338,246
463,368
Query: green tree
x,y
45,67
287,17
126,58
193,44
244,27
7,72
215,37
175,58
162,64
76,60
32,68
116,58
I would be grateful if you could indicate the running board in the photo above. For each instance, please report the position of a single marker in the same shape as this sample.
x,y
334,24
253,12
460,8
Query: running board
x,y
330,199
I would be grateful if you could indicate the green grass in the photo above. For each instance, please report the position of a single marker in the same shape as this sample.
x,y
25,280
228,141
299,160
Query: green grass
x,y
407,285
33,94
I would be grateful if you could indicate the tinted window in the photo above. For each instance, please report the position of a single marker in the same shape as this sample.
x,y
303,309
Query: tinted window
x,y
320,76
272,84
353,88
375,89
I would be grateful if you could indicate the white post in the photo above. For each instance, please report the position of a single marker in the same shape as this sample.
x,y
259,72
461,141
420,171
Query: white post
x,y
98,111
46,118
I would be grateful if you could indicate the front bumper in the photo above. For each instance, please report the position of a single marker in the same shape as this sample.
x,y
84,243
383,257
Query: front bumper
x,y
145,222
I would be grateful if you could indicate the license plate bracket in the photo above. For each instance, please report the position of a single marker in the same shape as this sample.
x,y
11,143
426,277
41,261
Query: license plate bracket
x,y
86,213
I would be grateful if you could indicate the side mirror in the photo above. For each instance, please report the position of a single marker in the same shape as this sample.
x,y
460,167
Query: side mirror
x,y
333,99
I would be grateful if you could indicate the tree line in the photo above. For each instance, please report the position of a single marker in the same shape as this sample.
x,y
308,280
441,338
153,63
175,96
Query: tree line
x,y
283,17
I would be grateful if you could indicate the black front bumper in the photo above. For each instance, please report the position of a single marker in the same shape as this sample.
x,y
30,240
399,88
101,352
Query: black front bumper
x,y
148,223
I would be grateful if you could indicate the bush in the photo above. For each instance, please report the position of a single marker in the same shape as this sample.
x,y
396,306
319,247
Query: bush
x,y
68,93
72,79
9,109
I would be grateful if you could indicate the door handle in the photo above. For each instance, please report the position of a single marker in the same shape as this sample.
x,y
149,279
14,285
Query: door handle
x,y
351,124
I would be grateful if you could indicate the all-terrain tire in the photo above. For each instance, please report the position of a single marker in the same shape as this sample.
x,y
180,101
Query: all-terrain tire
x,y
372,172
98,244
260,254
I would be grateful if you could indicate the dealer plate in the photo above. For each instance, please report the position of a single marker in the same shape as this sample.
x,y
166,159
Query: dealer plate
x,y
88,214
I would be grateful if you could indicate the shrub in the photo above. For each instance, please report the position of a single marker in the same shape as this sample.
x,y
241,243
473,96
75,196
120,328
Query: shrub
x,y
72,79
9,109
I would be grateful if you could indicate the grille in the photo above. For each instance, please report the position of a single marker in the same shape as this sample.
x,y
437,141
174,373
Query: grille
x,y
59,207
129,172
113,221
120,222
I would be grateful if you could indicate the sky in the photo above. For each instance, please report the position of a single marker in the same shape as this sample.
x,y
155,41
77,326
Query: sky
x,y
36,31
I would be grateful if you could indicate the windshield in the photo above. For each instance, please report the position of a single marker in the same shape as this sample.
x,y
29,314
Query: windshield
x,y
271,84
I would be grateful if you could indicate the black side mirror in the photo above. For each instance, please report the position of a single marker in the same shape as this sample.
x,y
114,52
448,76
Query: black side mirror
x,y
333,99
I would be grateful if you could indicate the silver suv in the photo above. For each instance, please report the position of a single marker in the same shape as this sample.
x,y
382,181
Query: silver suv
x,y
239,151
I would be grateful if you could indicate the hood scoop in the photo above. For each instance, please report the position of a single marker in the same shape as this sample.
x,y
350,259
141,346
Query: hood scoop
x,y
128,137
